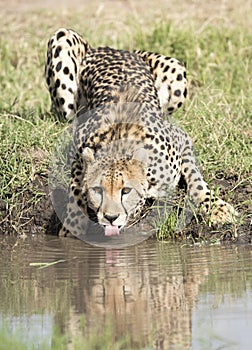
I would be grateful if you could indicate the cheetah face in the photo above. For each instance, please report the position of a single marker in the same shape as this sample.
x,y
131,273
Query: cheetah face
x,y
117,191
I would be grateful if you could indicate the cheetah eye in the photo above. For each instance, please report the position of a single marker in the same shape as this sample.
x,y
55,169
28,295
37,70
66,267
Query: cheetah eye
x,y
97,189
126,190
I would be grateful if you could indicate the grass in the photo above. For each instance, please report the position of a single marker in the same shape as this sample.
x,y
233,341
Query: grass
x,y
166,226
217,115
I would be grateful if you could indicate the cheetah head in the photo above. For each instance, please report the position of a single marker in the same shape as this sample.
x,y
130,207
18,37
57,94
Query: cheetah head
x,y
115,189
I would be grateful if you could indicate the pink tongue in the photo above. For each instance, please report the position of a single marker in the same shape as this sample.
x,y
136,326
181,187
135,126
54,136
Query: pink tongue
x,y
111,230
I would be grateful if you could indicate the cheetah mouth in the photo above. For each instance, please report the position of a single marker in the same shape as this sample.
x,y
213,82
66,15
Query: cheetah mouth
x,y
112,230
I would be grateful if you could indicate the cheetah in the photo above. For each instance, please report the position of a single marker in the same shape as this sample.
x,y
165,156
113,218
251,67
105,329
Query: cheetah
x,y
125,154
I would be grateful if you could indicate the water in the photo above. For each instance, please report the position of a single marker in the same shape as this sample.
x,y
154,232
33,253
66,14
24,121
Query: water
x,y
163,295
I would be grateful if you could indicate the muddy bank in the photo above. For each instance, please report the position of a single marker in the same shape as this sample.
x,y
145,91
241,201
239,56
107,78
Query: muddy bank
x,y
35,215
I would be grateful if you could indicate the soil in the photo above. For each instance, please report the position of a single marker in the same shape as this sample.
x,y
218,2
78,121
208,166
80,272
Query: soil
x,y
36,217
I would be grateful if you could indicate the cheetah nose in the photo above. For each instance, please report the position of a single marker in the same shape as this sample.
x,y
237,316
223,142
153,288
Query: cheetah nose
x,y
111,218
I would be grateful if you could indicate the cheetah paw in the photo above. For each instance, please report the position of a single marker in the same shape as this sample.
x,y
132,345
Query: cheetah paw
x,y
63,232
223,212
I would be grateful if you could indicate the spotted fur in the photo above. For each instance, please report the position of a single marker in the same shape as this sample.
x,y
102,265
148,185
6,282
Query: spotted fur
x,y
126,154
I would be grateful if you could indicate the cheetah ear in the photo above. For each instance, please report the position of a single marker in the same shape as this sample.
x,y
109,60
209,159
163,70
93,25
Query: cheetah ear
x,y
141,155
88,155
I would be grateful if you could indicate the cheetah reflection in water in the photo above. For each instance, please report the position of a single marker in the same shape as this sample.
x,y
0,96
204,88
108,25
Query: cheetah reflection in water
x,y
147,292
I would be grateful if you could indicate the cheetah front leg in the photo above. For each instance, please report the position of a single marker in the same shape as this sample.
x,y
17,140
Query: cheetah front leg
x,y
75,221
217,210
169,79
65,53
